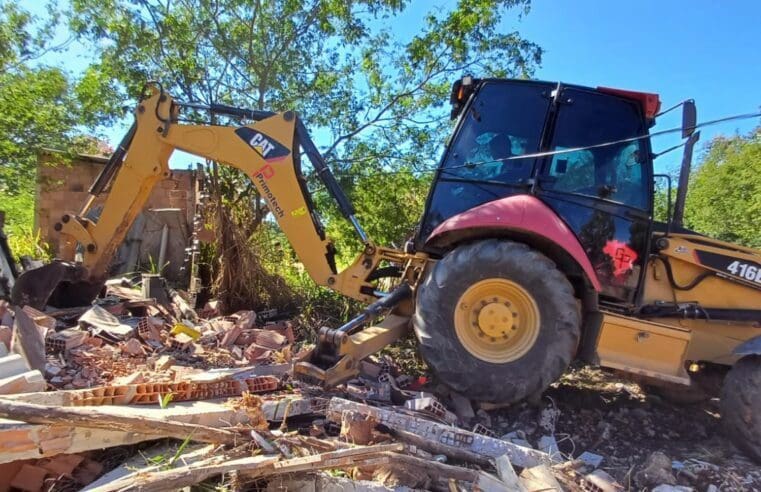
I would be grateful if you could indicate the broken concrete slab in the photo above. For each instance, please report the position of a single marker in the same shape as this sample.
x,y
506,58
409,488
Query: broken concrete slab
x,y
549,445
507,474
26,382
591,459
440,433
29,340
13,364
539,479
278,409
19,440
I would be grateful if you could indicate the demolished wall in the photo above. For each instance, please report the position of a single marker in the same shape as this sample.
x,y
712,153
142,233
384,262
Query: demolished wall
x,y
64,187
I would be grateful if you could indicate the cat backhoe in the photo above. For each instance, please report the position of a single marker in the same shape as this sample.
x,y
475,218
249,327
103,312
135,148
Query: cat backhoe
x,y
537,246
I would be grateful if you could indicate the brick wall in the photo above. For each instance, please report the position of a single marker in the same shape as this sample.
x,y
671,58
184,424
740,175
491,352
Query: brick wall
x,y
63,188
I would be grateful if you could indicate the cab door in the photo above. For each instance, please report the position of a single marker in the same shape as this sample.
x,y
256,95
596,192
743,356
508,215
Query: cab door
x,y
603,192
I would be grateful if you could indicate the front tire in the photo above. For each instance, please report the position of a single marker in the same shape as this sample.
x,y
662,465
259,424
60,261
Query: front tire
x,y
497,321
741,405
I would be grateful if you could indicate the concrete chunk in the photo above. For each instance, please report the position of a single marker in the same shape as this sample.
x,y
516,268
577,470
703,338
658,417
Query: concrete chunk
x,y
26,382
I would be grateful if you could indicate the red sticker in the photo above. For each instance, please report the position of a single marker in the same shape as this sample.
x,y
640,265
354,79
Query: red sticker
x,y
621,256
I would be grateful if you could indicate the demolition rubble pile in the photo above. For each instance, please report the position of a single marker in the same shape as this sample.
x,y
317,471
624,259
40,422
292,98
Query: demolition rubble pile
x,y
135,394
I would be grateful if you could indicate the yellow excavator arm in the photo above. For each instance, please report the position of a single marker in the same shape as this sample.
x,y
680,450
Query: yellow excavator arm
x,y
268,150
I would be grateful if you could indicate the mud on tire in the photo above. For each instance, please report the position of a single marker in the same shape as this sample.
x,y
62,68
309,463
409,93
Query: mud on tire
x,y
741,405
545,361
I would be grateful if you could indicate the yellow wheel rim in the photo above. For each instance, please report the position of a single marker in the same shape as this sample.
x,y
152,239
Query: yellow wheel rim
x,y
497,320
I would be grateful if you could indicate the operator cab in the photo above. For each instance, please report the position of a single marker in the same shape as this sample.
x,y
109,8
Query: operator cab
x,y
543,139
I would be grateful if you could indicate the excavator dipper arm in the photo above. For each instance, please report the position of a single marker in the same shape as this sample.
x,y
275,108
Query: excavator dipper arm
x,y
267,150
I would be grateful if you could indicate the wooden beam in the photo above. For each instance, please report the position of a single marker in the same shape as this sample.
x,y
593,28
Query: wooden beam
x,y
250,466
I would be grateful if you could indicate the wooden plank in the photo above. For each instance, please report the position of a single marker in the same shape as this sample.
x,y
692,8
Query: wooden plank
x,y
250,466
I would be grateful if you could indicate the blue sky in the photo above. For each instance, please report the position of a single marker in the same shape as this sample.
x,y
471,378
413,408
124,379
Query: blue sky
x,y
706,50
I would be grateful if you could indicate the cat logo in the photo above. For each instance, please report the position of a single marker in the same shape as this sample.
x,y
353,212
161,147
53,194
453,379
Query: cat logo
x,y
265,146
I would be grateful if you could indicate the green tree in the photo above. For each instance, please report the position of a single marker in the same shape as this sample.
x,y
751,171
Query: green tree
x,y
724,198
376,104
40,106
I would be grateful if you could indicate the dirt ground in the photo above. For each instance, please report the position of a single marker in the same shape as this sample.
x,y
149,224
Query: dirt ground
x,y
599,411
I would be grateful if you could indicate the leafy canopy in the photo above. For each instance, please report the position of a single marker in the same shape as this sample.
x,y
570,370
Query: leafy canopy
x,y
375,103
724,198
40,106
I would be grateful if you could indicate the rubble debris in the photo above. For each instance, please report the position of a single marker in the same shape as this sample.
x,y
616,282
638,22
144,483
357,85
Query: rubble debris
x,y
326,482
102,418
431,406
25,382
137,352
443,434
549,445
357,428
655,471
133,348
30,478
250,467
105,324
191,454
164,362
591,459
539,478
64,340
20,440
29,340
600,480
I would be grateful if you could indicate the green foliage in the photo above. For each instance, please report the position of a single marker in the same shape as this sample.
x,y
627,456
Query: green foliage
x,y
40,106
661,199
376,104
724,198
165,400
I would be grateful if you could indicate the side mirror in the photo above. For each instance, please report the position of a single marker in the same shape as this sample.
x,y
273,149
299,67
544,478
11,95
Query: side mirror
x,y
689,118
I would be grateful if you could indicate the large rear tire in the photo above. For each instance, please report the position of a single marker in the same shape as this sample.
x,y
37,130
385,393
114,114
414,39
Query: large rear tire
x,y
741,405
497,321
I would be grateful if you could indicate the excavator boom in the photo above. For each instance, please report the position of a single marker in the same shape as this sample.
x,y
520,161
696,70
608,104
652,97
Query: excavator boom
x,y
268,150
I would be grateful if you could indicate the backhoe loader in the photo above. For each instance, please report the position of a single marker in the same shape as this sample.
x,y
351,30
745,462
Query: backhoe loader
x,y
537,246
